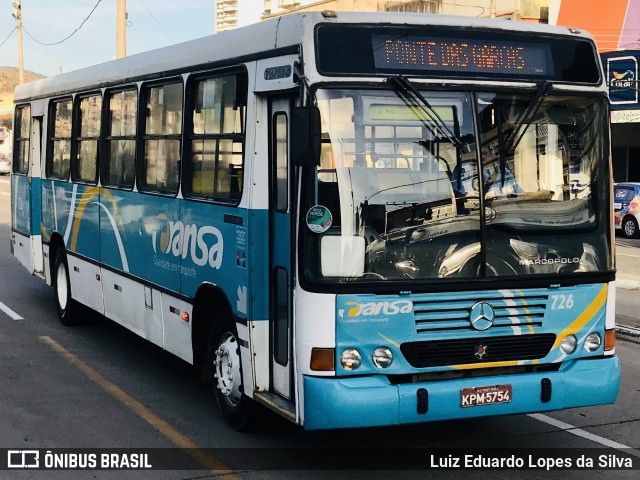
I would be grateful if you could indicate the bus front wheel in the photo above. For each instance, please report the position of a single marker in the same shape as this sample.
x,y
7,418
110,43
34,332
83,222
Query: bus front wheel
x,y
224,372
65,305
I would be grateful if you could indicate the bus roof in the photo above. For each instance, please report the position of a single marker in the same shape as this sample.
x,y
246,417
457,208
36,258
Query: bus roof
x,y
284,34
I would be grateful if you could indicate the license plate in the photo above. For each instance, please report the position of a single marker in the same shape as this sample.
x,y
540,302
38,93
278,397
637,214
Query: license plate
x,y
473,397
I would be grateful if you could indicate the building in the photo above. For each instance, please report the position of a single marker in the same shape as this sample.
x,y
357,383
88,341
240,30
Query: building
x,y
230,14
527,10
6,116
621,70
226,15
617,34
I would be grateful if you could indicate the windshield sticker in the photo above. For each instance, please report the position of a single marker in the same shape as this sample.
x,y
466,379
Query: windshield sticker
x,y
319,219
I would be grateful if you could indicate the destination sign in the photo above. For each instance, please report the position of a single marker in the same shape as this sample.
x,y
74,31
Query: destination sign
x,y
436,51
471,56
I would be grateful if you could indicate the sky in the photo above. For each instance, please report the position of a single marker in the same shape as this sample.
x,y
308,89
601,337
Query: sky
x,y
152,24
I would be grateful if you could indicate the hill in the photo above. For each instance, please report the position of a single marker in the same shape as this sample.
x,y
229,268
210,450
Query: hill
x,y
9,78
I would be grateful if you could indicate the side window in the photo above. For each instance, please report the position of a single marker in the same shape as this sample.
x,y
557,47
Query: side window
x,y
281,157
120,155
630,194
59,156
21,140
218,115
162,133
87,138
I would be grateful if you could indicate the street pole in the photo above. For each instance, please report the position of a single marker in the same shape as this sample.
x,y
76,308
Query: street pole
x,y
17,14
493,9
121,32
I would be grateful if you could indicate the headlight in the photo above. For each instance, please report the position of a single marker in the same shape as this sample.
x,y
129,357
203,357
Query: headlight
x,y
568,344
382,357
593,342
350,359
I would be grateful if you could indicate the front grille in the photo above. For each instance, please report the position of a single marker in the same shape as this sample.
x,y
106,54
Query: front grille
x,y
439,353
522,312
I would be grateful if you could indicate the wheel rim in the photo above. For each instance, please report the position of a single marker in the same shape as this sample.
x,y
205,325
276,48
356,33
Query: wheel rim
x,y
629,228
61,286
227,365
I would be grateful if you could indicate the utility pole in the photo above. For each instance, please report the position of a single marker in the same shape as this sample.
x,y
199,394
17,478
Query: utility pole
x,y
17,14
493,9
121,32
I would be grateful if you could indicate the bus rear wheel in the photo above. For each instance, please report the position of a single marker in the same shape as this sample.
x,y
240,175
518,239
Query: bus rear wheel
x,y
223,372
66,307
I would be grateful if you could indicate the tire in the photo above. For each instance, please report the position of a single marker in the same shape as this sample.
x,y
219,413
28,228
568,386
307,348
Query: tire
x,y
629,227
66,307
222,372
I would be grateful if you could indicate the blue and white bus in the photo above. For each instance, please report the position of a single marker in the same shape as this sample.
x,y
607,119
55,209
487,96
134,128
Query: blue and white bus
x,y
353,219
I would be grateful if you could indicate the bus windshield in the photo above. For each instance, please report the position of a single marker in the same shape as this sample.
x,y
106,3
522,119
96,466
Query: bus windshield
x,y
417,184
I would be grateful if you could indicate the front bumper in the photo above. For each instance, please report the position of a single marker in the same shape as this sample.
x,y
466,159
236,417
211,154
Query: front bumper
x,y
369,401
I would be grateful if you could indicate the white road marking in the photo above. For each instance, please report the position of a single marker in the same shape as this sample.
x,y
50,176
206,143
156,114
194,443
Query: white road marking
x,y
584,434
206,459
10,312
626,255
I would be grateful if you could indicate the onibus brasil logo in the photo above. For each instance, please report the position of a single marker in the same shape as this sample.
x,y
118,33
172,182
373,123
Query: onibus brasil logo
x,y
202,244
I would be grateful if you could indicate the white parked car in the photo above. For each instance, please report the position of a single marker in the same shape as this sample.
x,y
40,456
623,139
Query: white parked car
x,y
5,165
626,208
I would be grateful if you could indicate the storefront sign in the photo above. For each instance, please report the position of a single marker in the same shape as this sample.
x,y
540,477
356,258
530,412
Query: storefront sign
x,y
622,78
625,116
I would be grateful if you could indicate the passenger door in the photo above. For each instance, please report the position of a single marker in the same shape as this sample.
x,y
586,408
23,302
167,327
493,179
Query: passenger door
x,y
27,208
281,332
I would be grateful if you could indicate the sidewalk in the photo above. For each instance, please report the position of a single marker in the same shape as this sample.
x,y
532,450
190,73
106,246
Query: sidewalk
x,y
628,278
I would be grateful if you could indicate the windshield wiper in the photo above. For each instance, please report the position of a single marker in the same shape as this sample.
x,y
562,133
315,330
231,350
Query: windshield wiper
x,y
366,200
526,117
409,92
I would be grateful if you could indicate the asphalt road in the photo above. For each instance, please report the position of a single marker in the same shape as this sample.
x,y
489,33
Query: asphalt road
x,y
100,386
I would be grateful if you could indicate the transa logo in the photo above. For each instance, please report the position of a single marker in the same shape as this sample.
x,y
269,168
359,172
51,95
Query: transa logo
x,y
373,309
203,244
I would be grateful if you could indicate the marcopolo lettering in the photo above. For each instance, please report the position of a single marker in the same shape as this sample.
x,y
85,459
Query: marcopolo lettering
x,y
549,261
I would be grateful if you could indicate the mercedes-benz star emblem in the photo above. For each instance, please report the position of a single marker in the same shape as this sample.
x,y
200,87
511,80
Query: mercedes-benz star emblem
x,y
480,351
482,316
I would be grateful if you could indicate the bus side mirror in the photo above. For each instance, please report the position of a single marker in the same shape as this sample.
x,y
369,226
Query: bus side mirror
x,y
305,136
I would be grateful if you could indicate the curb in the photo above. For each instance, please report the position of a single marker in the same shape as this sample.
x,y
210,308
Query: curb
x,y
625,332
627,284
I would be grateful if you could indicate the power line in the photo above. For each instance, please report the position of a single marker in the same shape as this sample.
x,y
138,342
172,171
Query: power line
x,y
68,36
157,23
8,36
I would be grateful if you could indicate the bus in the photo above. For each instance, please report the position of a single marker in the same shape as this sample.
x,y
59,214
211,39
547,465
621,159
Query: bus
x,y
352,219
